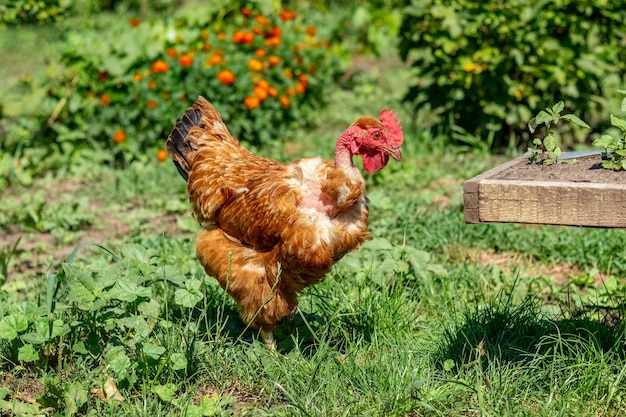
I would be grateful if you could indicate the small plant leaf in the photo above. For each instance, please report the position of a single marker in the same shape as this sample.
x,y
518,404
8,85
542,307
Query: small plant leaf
x,y
50,330
75,397
558,107
135,251
34,338
11,325
179,361
543,118
549,142
532,125
619,123
128,291
27,353
189,296
165,392
575,119
118,361
448,365
153,351
604,141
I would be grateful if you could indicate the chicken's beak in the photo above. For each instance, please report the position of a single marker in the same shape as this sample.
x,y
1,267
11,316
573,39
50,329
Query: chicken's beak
x,y
394,152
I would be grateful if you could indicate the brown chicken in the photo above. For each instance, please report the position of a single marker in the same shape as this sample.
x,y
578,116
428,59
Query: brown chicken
x,y
273,229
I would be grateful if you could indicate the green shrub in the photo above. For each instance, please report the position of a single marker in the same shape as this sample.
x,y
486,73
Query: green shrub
x,y
39,11
19,11
491,65
126,85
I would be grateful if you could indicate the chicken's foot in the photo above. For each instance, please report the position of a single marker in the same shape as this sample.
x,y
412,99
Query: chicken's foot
x,y
268,339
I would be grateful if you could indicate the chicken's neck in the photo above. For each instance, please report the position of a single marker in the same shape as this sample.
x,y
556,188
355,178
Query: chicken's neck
x,y
346,147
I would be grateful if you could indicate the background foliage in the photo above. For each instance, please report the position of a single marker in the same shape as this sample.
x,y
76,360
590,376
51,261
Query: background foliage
x,y
489,66
432,317
123,91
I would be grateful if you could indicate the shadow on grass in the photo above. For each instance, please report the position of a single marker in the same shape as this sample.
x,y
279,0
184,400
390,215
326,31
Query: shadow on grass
x,y
523,332
220,319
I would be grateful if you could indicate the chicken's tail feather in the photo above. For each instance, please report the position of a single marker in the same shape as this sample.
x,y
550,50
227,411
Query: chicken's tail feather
x,y
183,140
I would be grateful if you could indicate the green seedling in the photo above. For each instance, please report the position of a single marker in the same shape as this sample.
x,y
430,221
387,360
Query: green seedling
x,y
546,150
614,154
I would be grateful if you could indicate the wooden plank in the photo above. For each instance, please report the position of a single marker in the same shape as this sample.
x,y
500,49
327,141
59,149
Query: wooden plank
x,y
490,200
558,203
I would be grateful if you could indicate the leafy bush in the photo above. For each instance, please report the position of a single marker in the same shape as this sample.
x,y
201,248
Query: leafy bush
x,y
492,65
32,10
29,11
126,85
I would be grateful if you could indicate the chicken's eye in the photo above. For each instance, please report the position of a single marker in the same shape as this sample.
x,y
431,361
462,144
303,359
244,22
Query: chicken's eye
x,y
377,135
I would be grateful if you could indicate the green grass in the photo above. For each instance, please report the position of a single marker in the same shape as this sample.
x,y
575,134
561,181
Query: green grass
x,y
413,324
401,327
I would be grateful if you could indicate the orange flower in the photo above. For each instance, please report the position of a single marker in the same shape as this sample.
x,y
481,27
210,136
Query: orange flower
x,y
263,84
138,77
251,102
288,73
260,53
291,91
243,37
273,60
284,101
260,93
226,77
300,88
215,59
287,15
273,41
152,84
134,23
311,31
119,136
221,36
255,65
304,79
257,30
275,32
151,104
160,67
206,47
102,76
105,99
272,91
185,60
262,20
161,155
245,11
172,52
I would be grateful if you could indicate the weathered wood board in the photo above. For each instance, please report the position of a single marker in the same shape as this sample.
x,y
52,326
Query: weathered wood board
x,y
489,200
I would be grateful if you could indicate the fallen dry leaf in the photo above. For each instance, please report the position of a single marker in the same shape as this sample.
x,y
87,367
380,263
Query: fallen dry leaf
x,y
110,391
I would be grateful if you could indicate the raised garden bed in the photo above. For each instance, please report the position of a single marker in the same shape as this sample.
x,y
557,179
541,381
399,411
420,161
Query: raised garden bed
x,y
578,193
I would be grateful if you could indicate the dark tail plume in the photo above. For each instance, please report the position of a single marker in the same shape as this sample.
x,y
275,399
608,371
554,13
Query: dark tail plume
x,y
177,145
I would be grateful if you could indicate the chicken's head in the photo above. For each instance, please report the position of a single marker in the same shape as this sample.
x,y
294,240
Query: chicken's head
x,y
377,139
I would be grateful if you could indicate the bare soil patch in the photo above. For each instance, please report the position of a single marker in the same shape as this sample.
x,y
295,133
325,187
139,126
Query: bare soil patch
x,y
511,262
584,169
37,251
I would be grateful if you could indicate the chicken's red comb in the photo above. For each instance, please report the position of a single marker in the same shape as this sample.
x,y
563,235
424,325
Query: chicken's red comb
x,y
394,129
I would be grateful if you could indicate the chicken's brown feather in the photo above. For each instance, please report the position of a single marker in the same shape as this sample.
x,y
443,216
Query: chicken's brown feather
x,y
260,214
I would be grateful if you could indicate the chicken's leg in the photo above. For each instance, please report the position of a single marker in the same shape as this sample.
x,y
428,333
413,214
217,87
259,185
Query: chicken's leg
x,y
268,339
